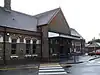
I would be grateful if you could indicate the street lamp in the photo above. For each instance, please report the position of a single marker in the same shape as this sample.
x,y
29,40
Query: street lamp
x,y
80,48
74,53
94,46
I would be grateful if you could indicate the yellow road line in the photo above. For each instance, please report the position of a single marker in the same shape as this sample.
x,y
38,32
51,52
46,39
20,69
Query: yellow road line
x,y
17,68
8,68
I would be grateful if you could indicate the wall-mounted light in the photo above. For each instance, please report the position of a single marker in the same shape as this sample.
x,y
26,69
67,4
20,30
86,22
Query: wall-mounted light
x,y
7,33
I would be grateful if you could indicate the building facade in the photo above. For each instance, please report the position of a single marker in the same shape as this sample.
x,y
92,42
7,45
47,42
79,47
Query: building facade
x,y
16,44
26,38
79,44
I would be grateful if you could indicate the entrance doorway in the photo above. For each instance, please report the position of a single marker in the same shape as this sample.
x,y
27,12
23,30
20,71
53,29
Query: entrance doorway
x,y
61,49
61,52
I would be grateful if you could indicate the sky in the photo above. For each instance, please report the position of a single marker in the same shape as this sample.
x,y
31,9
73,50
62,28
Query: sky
x,y
82,15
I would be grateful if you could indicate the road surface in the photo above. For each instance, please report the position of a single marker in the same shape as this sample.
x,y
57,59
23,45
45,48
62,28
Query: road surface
x,y
87,68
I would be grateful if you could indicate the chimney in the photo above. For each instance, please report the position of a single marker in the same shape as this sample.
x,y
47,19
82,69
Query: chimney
x,y
7,4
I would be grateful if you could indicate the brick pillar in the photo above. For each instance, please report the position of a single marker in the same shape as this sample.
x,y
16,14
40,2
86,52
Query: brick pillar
x,y
45,44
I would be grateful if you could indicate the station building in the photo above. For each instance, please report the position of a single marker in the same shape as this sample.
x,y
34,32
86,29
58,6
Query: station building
x,y
40,37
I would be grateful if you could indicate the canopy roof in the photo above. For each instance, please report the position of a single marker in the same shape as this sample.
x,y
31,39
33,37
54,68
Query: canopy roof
x,y
52,35
75,33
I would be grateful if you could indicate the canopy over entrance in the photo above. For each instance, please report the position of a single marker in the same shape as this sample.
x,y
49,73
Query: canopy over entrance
x,y
52,34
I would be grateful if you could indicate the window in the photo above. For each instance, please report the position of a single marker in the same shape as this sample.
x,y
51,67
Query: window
x,y
27,51
56,41
14,40
34,51
34,46
34,41
21,39
51,50
13,46
27,41
28,46
7,38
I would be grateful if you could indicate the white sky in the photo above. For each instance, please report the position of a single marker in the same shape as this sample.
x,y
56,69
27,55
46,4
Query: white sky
x,y
83,15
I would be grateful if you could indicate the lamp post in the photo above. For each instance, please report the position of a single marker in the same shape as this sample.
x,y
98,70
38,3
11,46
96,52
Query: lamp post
x,y
80,48
94,46
74,53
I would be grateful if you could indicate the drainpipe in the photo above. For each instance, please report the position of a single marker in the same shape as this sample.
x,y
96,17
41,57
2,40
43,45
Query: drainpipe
x,y
4,38
41,45
40,37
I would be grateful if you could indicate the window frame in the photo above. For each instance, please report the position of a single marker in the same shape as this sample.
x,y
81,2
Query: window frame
x,y
14,42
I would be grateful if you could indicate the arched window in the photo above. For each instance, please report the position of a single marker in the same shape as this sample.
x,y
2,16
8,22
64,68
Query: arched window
x,y
34,46
28,46
13,46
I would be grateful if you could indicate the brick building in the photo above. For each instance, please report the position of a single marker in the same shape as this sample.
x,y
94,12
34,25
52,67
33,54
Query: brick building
x,y
24,37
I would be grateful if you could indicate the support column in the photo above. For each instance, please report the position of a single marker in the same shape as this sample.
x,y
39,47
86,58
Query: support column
x,y
45,43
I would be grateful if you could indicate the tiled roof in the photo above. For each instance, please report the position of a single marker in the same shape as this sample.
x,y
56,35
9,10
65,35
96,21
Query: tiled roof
x,y
46,17
17,20
20,20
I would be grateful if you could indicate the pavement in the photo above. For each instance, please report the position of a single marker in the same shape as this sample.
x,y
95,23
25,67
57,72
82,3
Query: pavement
x,y
87,68
90,66
79,59
18,67
87,58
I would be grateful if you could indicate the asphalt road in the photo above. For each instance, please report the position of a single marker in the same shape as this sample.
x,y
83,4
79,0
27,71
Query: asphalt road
x,y
87,68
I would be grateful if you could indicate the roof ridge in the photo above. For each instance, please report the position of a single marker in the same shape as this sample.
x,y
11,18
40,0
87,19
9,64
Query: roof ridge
x,y
45,12
46,17
53,16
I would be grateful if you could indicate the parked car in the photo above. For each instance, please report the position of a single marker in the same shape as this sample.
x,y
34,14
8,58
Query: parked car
x,y
97,52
